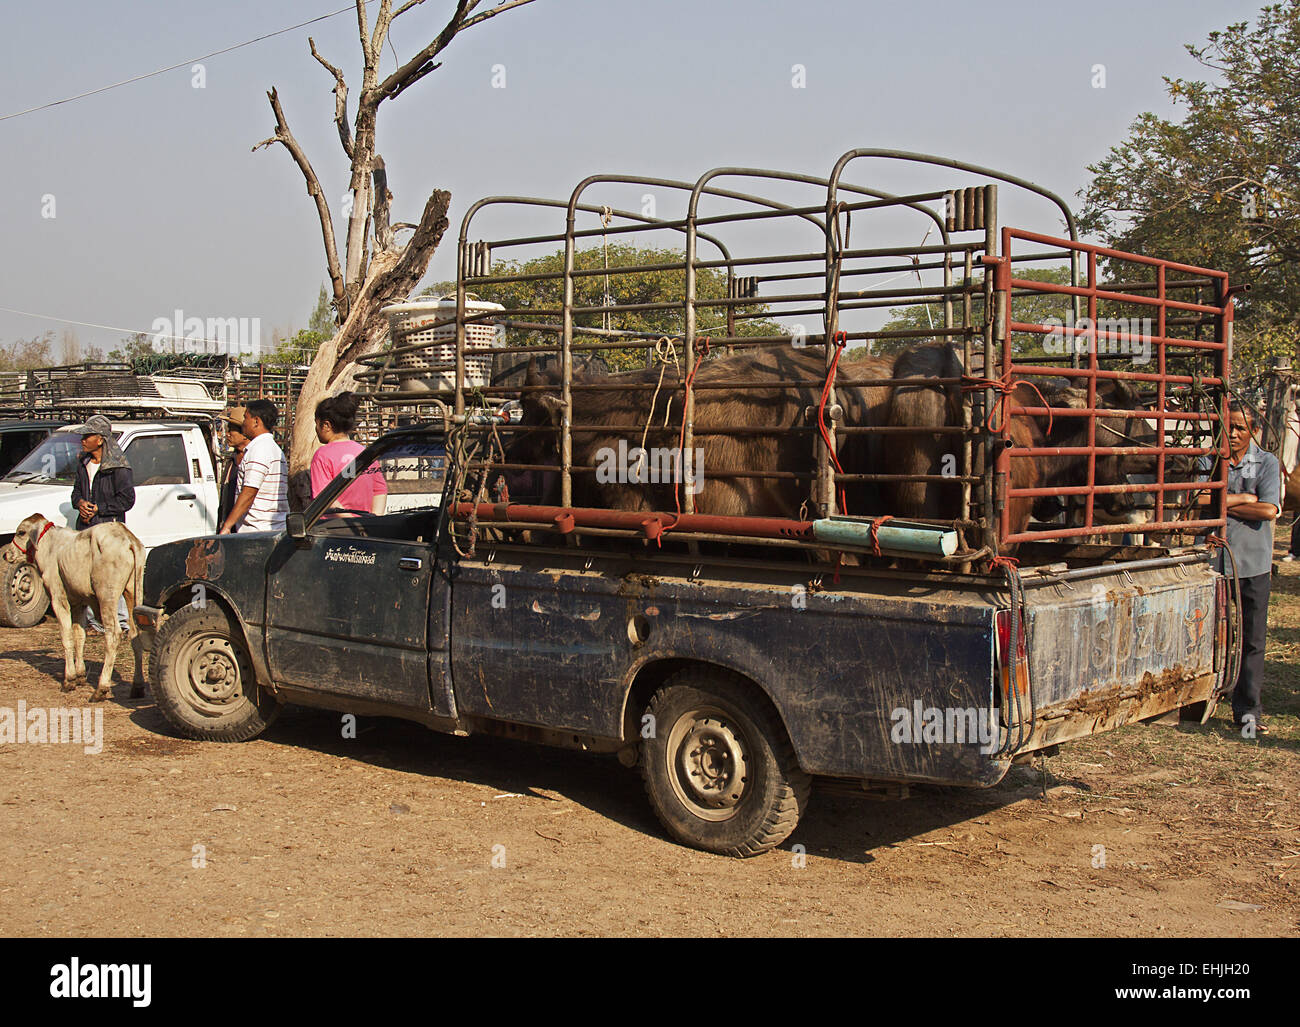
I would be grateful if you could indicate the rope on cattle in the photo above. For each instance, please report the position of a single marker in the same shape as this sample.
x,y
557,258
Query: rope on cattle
x,y
840,341
702,350
664,352
1004,387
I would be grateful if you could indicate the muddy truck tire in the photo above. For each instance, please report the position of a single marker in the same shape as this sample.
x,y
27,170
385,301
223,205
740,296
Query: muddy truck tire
x,y
203,681
23,599
719,769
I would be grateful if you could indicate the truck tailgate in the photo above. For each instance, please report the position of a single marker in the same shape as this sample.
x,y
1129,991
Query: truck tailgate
x,y
1112,645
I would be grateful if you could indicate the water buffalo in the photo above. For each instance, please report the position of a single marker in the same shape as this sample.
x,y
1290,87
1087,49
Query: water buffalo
x,y
929,404
81,569
628,416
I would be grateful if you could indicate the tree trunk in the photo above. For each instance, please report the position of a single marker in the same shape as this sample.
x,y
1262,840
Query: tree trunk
x,y
390,279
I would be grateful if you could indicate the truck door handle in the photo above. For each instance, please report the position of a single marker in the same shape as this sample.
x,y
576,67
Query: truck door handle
x,y
187,495
410,563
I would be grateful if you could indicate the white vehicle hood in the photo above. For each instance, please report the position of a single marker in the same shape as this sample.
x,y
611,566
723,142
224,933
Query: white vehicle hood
x,y
18,501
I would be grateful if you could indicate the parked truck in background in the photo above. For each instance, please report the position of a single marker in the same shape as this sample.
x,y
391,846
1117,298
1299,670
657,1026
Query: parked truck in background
x,y
172,460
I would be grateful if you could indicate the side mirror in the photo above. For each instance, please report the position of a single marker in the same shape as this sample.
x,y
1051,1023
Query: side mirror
x,y
297,527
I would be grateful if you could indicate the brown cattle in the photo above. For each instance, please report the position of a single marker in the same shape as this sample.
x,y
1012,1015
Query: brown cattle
x,y
92,568
931,404
629,415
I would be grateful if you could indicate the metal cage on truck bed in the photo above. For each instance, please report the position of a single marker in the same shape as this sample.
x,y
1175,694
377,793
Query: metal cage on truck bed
x,y
1041,334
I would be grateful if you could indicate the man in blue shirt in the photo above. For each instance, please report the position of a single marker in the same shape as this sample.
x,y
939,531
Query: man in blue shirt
x,y
1254,502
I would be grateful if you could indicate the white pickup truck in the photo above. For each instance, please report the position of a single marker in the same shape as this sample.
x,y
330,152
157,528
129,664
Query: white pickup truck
x,y
176,497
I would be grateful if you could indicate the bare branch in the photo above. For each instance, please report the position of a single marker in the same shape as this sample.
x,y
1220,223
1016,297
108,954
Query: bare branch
x,y
314,190
419,74
382,21
499,9
340,99
363,28
406,7
417,64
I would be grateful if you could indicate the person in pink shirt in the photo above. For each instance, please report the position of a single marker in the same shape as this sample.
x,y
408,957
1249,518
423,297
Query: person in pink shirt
x,y
335,419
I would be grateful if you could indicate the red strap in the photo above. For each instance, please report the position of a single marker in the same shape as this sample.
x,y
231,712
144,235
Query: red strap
x,y
839,341
31,546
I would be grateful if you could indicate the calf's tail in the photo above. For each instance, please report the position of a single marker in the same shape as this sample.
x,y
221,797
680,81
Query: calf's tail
x,y
135,589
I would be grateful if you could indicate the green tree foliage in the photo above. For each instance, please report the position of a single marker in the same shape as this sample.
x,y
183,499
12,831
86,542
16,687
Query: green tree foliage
x,y
627,288
300,348
1221,187
1029,307
133,349
322,318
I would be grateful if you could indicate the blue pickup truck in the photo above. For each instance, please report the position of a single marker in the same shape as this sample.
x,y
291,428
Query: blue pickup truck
x,y
895,572
730,682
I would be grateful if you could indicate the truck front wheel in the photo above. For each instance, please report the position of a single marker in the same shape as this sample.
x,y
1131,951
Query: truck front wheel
x,y
718,766
203,680
23,599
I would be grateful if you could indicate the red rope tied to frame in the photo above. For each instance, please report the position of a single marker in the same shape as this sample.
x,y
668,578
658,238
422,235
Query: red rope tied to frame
x,y
1004,388
702,349
875,529
839,341
1003,561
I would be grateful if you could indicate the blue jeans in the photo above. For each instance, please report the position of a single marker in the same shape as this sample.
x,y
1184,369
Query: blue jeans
x,y
123,616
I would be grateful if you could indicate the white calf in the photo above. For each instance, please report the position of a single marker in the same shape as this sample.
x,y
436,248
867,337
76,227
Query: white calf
x,y
92,568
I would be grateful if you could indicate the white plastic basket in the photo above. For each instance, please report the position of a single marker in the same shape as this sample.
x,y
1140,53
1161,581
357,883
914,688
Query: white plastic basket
x,y
433,322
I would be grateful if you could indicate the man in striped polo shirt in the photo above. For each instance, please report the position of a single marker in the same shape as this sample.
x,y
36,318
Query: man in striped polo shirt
x,y
262,495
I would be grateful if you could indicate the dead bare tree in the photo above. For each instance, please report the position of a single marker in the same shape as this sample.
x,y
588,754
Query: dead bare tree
x,y
376,269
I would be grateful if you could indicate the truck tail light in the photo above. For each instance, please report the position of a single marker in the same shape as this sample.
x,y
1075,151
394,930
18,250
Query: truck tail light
x,y
1003,620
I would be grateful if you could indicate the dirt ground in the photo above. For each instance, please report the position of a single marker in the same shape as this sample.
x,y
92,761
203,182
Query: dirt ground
x,y
1148,831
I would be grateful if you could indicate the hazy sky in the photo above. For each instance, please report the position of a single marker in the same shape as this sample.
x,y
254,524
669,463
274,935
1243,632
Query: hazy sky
x,y
160,205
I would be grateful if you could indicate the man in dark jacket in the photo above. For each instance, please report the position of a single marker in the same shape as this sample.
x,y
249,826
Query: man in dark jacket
x,y
105,488
104,491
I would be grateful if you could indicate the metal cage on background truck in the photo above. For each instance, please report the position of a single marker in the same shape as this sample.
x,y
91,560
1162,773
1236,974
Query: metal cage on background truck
x,y
902,562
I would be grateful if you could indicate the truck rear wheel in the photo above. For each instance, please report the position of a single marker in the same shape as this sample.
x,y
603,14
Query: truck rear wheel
x,y
203,681
719,769
23,599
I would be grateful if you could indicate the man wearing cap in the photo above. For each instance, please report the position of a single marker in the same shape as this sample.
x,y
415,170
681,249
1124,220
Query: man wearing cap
x,y
104,490
238,442
105,487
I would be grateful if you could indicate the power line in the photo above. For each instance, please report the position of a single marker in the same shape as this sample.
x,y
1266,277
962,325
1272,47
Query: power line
x,y
108,328
182,64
